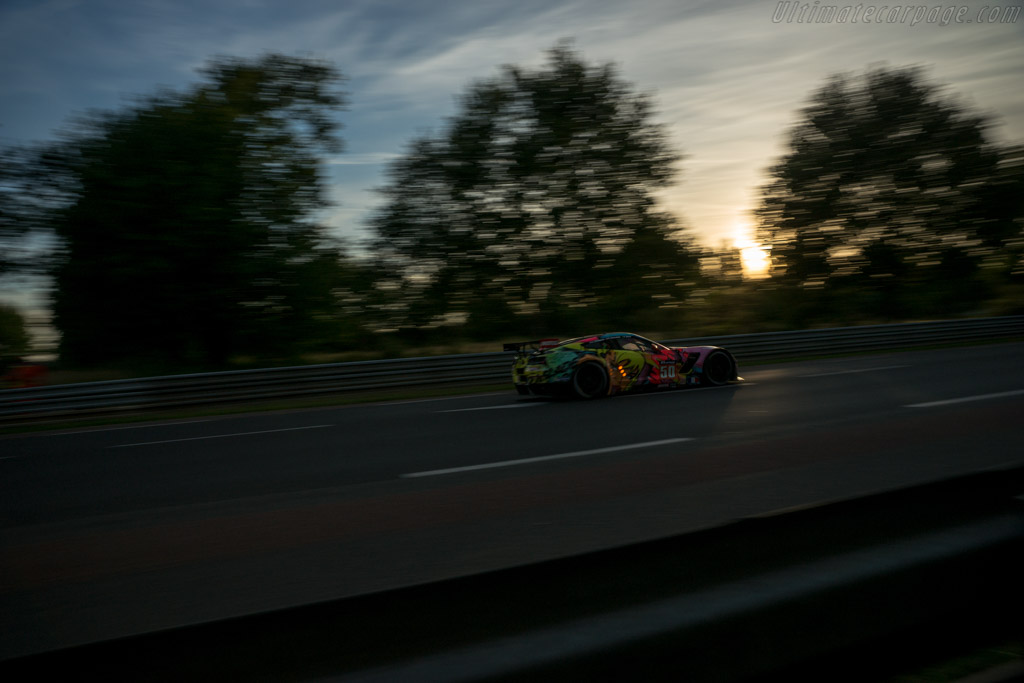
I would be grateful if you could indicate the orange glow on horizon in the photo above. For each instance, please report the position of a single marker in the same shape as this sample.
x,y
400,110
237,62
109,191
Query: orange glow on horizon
x,y
753,255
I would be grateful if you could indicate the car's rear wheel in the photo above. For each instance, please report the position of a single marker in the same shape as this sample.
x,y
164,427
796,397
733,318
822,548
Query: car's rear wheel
x,y
590,381
717,369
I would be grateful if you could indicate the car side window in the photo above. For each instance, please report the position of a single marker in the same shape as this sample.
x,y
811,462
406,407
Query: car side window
x,y
629,345
596,344
640,345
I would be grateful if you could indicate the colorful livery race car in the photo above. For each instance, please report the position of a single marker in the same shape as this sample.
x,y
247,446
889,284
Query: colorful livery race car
x,y
606,364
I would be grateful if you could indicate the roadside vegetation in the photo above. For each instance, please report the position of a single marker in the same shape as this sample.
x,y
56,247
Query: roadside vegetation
x,y
184,232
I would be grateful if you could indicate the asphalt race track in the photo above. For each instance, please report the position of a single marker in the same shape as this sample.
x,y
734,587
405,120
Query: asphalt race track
x,y
129,529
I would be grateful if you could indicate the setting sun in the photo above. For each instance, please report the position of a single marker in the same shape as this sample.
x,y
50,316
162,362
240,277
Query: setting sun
x,y
753,254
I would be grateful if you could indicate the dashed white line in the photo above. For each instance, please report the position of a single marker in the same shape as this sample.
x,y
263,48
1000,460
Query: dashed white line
x,y
218,436
682,391
462,397
542,458
619,397
851,372
966,399
101,430
501,407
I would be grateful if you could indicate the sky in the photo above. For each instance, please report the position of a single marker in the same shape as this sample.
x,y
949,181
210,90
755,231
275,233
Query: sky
x,y
727,77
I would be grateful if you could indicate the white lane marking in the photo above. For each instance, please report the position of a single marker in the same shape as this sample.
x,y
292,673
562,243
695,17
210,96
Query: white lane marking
x,y
502,407
542,458
681,391
462,397
218,436
119,429
623,396
966,399
851,372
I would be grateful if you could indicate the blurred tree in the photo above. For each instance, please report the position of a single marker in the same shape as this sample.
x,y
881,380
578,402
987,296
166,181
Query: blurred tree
x,y
999,212
14,339
648,282
724,263
188,232
534,202
888,187
13,227
24,197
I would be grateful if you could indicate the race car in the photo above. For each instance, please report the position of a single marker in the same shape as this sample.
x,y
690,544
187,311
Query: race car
x,y
613,363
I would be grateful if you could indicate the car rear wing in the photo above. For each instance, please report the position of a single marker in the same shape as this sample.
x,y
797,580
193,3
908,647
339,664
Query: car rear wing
x,y
530,346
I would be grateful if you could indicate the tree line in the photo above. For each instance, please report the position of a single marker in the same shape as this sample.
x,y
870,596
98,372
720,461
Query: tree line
x,y
185,229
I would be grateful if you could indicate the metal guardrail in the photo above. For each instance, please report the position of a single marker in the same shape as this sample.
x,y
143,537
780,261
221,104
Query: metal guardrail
x,y
477,368
866,337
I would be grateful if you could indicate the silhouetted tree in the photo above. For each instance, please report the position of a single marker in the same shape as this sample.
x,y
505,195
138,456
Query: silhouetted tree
x,y
188,232
648,282
890,188
25,195
531,202
724,264
12,227
998,212
14,339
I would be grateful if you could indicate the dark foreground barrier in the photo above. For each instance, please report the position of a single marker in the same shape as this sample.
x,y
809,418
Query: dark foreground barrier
x,y
854,590
467,369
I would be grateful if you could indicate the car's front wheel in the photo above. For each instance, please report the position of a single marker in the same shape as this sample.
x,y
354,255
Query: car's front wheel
x,y
590,381
717,369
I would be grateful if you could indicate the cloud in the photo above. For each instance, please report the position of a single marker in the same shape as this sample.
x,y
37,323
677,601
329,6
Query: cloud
x,y
726,80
